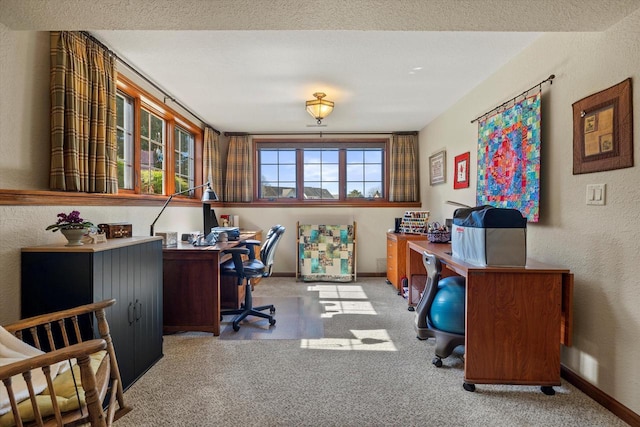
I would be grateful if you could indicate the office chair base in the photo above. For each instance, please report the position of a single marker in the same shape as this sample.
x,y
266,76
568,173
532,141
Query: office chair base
x,y
237,320
243,313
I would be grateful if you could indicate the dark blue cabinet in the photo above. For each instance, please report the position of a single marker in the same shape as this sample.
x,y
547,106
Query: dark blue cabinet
x,y
129,269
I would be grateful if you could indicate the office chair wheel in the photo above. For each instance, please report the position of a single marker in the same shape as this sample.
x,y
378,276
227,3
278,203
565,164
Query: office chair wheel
x,y
437,362
272,322
272,310
236,327
469,387
411,308
548,390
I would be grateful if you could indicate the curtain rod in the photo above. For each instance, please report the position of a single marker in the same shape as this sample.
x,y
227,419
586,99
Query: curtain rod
x,y
148,80
548,79
317,133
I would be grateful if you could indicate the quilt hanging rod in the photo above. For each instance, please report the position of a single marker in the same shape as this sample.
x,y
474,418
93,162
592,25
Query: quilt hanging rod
x,y
507,102
147,79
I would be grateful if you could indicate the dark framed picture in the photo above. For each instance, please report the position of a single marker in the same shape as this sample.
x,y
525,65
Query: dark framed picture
x,y
603,130
461,171
438,168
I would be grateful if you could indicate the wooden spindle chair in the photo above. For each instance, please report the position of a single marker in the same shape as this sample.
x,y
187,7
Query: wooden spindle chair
x,y
59,335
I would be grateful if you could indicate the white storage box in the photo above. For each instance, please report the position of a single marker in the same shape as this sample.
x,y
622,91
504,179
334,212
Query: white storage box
x,y
488,236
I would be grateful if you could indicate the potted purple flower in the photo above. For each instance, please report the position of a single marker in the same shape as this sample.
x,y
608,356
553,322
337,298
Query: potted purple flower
x,y
72,226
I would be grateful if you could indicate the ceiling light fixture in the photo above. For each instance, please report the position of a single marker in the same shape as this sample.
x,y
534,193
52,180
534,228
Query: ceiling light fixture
x,y
319,108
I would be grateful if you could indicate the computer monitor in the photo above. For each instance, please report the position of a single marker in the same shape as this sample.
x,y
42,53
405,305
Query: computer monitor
x,y
210,219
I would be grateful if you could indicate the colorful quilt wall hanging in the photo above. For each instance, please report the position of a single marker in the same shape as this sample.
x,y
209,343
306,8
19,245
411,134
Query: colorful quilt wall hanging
x,y
509,159
326,252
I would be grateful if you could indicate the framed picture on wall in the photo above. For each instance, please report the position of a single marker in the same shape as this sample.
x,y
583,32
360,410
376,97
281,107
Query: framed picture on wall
x,y
603,130
438,168
461,171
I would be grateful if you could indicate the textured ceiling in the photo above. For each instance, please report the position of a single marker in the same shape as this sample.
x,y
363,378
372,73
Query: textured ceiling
x,y
250,65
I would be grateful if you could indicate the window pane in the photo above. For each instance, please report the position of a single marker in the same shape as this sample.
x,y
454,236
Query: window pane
x,y
124,136
372,172
269,156
277,173
269,173
373,156
184,160
287,172
355,173
152,154
355,156
354,189
364,173
287,156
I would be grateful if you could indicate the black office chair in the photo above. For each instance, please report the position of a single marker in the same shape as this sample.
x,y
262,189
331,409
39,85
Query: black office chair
x,y
446,342
252,268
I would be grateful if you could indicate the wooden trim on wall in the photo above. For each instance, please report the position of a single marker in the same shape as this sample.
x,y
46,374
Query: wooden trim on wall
x,y
608,402
52,198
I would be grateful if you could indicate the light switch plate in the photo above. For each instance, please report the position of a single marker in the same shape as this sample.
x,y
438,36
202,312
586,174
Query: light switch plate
x,y
596,194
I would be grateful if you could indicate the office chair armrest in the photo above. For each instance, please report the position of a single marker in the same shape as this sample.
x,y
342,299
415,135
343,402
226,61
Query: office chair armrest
x,y
236,255
251,245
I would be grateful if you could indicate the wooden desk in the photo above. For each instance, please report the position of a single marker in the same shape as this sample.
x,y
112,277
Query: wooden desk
x,y
516,318
191,285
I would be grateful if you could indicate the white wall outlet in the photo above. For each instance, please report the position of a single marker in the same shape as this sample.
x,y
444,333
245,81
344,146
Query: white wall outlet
x,y
596,194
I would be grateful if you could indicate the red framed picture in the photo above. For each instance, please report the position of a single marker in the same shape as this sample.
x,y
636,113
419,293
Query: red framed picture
x,y
461,171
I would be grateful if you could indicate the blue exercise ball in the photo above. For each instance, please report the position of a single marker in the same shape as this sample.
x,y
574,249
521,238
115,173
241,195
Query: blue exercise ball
x,y
447,309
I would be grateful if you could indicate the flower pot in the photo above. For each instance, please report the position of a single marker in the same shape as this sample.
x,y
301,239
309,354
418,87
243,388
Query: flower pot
x,y
73,235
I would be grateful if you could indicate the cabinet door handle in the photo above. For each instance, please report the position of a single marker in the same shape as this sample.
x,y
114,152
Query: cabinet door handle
x,y
138,310
130,313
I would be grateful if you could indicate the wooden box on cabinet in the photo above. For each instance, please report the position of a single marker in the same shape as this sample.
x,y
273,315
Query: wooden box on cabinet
x,y
397,256
57,277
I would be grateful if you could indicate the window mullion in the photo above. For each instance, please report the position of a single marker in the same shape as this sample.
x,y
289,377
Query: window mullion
x,y
169,157
342,174
300,174
137,147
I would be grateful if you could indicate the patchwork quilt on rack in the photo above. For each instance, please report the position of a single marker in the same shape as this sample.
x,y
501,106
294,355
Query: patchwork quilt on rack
x,y
326,252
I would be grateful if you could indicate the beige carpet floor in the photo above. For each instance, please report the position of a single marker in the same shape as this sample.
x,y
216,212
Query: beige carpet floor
x,y
368,369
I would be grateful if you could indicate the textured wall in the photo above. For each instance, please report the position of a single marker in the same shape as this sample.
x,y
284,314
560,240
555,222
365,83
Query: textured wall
x,y
600,244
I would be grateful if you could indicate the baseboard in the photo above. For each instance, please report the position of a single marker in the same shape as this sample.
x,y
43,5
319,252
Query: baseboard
x,y
617,408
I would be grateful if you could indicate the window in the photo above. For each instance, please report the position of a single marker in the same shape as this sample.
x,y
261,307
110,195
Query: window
x,y
331,171
183,160
124,135
152,153
159,151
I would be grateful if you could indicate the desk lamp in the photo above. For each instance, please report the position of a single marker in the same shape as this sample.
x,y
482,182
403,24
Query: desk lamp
x,y
208,214
208,195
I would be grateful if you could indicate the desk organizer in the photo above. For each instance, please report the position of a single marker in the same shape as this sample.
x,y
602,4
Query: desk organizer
x,y
326,252
414,222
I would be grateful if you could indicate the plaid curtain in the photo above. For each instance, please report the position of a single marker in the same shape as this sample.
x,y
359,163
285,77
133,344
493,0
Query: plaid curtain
x,y
404,168
239,182
83,115
211,170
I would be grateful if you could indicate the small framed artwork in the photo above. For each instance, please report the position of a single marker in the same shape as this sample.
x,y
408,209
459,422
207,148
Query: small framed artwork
x,y
461,173
603,130
438,168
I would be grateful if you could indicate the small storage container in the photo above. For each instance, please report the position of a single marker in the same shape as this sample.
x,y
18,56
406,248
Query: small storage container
x,y
488,236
